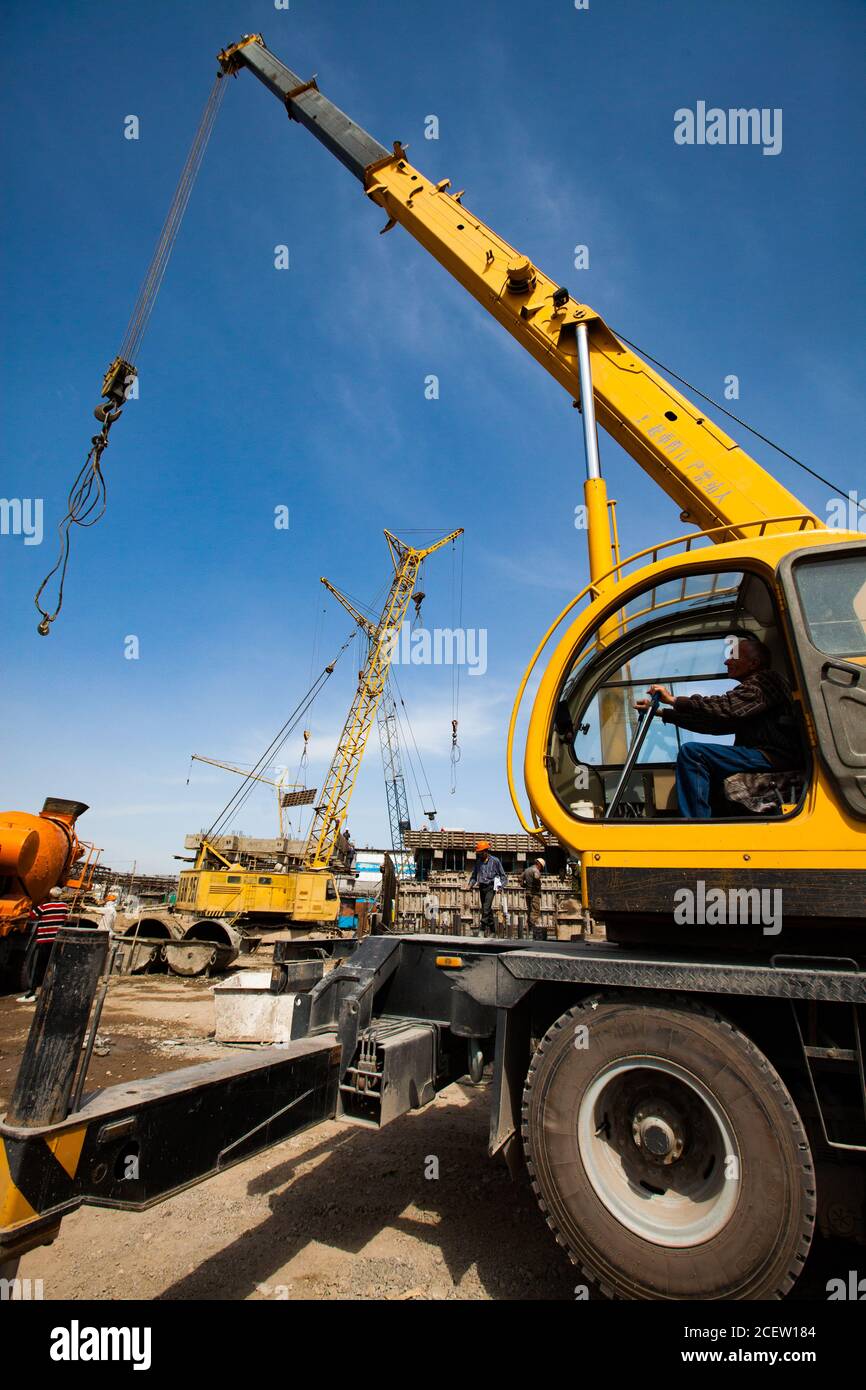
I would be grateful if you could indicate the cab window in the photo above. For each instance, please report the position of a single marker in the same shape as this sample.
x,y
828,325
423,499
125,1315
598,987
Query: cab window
x,y
832,596
676,635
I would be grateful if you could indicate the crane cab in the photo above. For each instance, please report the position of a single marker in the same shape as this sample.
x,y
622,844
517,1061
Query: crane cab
x,y
301,895
263,896
670,622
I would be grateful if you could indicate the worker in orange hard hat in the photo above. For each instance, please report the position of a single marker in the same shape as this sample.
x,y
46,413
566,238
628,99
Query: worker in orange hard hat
x,y
488,877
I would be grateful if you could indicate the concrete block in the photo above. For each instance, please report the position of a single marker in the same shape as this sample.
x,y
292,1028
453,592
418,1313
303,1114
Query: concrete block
x,y
246,1011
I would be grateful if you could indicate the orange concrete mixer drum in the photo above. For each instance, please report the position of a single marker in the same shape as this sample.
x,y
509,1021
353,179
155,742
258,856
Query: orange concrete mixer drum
x,y
36,854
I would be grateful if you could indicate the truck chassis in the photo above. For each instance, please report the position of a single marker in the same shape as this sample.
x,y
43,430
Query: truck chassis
x,y
726,1096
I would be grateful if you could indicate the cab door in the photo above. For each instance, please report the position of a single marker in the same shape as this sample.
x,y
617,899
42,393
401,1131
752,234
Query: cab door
x,y
825,591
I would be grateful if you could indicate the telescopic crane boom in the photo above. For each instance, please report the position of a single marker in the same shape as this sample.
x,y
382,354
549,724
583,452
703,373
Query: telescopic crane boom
x,y
711,479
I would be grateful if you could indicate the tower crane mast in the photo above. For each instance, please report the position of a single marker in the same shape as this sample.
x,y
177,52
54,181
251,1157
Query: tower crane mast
x,y
392,765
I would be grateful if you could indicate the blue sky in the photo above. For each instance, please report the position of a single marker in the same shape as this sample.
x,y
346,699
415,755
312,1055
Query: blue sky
x,y
306,387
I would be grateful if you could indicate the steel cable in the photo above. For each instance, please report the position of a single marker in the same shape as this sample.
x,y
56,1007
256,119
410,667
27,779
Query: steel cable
x,y
235,802
717,405
88,492
156,270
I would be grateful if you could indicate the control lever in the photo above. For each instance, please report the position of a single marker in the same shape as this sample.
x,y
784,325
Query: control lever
x,y
643,726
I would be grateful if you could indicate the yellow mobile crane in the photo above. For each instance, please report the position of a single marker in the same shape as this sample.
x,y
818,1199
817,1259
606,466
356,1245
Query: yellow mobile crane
x,y
691,1107
216,887
774,571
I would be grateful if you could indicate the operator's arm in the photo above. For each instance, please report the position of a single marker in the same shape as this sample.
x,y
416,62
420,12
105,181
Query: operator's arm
x,y
697,722
761,692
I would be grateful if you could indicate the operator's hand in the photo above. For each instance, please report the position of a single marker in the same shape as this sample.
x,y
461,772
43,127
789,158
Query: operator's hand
x,y
665,697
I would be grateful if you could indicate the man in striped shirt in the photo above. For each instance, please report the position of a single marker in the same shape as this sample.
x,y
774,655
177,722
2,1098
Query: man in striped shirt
x,y
46,920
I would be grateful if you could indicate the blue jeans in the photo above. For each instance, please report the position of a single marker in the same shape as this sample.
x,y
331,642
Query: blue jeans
x,y
699,763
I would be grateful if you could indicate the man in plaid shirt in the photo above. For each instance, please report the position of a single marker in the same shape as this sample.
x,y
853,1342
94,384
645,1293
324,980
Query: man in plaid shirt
x,y
758,712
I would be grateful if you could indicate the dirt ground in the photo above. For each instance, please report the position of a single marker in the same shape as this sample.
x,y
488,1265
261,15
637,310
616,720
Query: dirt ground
x,y
335,1213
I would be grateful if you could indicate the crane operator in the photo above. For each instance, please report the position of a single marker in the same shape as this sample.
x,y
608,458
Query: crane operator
x,y
758,711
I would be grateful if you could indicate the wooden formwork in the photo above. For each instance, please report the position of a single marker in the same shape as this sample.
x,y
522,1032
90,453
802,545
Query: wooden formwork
x,y
443,904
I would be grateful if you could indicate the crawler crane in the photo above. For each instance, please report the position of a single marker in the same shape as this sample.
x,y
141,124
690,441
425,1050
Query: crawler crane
x,y
307,894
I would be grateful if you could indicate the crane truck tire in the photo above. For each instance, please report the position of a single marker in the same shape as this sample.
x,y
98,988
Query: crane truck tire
x,y
666,1152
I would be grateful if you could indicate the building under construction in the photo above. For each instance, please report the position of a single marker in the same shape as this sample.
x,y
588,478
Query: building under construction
x,y
439,899
429,891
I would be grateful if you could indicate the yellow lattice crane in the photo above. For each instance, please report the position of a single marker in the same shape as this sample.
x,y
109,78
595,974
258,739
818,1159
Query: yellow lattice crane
x,y
330,814
308,893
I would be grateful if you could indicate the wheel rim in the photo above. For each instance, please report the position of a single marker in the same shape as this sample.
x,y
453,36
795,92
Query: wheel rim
x,y
659,1151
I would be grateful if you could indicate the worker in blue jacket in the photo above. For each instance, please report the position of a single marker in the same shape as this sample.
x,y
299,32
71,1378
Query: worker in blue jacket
x,y
488,876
